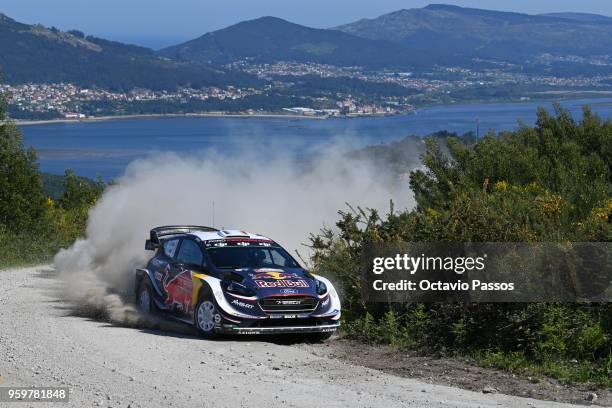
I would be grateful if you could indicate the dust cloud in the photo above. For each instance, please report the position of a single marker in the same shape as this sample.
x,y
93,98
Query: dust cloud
x,y
276,195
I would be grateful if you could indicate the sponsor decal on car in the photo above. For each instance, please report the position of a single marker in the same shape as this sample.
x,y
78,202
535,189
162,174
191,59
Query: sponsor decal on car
x,y
179,291
238,241
288,291
299,283
242,304
288,316
288,302
268,273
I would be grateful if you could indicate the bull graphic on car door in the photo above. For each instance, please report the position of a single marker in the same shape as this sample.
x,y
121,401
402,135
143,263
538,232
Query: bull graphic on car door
x,y
179,291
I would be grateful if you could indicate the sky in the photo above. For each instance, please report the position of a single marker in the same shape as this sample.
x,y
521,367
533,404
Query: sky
x,y
159,23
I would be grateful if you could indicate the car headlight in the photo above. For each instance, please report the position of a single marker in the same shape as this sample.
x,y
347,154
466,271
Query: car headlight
x,y
321,288
240,289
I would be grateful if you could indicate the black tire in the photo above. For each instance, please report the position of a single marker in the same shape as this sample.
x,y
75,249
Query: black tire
x,y
144,297
206,315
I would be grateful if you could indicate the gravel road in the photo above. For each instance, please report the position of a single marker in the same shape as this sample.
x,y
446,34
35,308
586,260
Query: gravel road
x,y
42,343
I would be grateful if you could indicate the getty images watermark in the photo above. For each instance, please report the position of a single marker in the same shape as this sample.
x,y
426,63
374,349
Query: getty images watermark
x,y
410,272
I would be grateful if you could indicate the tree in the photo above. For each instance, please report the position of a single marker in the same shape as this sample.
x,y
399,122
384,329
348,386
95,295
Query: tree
x,y
79,192
22,202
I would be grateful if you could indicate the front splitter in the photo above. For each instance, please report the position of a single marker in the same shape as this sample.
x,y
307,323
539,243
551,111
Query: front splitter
x,y
327,328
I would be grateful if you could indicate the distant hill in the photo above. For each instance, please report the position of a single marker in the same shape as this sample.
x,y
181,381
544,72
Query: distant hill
x,y
583,17
457,35
270,39
34,53
413,39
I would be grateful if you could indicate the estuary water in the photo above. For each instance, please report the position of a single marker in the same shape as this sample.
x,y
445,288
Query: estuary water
x,y
105,148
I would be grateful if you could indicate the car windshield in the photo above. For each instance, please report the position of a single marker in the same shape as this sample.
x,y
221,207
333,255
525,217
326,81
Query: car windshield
x,y
237,257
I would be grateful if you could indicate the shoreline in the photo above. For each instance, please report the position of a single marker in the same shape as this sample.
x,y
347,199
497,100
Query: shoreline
x,y
25,122
542,97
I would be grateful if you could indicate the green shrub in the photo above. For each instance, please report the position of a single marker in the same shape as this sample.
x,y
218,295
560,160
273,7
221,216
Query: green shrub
x,y
551,182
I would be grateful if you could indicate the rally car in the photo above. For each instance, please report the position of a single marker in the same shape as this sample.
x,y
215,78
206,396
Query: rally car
x,y
232,281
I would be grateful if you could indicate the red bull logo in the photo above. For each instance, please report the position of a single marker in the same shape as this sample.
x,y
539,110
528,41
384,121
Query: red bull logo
x,y
278,279
299,283
266,273
179,290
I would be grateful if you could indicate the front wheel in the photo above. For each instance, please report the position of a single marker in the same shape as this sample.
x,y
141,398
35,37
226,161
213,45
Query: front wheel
x,y
206,316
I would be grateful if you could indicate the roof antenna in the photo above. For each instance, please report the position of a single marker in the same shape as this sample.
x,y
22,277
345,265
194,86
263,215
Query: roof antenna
x,y
213,214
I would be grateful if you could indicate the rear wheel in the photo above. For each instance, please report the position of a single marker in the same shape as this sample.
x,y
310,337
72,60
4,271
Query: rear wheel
x,y
206,316
144,298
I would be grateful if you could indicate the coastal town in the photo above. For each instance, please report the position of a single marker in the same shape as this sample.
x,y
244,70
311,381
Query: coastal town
x,y
69,101
436,80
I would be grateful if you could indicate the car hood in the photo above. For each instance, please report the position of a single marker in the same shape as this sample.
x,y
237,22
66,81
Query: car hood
x,y
278,281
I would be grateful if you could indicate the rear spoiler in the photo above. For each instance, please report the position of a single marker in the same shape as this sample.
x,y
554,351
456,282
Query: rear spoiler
x,y
156,233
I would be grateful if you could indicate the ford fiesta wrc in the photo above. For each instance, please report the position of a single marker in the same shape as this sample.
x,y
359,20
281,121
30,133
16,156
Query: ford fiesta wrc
x,y
232,281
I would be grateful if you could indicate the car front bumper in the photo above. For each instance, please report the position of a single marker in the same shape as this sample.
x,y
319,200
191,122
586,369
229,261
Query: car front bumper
x,y
322,328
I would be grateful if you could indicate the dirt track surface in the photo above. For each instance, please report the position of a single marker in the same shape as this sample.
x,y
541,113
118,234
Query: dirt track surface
x,y
458,372
42,343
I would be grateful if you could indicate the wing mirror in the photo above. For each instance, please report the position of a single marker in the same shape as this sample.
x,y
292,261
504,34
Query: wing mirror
x,y
196,267
150,246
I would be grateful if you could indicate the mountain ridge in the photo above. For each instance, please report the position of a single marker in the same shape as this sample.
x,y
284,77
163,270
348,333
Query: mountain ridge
x,y
457,34
438,35
584,17
271,39
92,61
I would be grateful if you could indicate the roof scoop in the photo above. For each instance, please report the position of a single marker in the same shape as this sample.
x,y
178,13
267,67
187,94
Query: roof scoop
x,y
233,233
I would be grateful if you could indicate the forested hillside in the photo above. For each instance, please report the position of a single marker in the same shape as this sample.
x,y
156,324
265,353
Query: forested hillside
x,y
89,61
453,35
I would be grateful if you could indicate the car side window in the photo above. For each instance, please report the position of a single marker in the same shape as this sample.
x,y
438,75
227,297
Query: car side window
x,y
190,253
170,247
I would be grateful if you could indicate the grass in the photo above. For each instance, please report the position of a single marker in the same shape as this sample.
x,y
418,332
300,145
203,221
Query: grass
x,y
591,369
566,371
21,250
